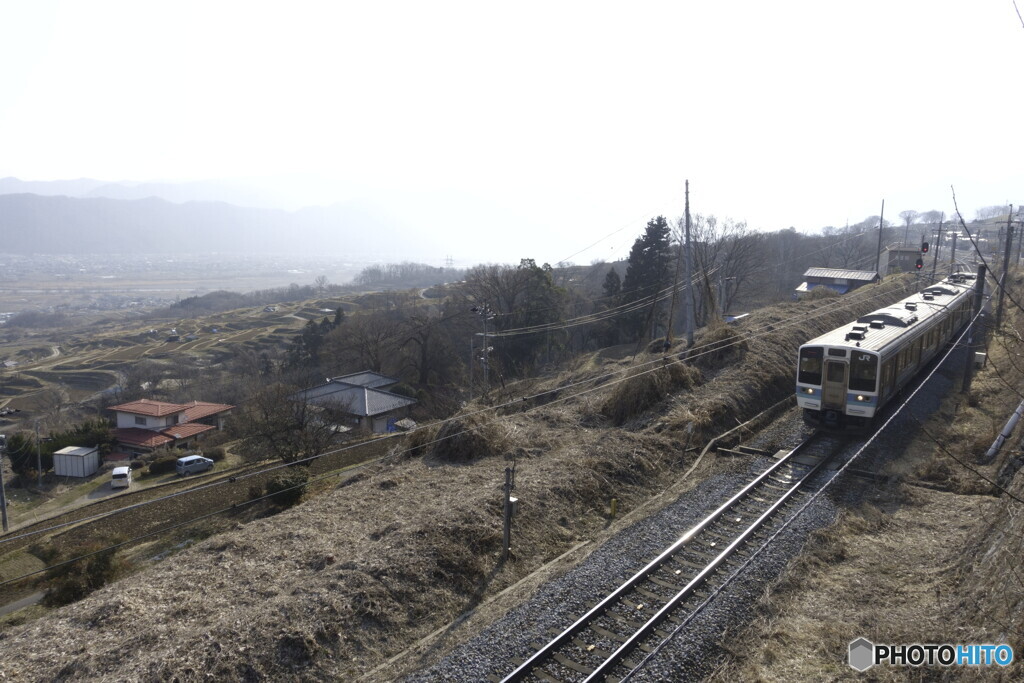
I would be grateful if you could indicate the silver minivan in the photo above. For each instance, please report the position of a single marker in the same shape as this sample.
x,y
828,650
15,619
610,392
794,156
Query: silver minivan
x,y
191,464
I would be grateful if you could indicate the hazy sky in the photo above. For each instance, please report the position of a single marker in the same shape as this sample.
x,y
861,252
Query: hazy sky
x,y
530,128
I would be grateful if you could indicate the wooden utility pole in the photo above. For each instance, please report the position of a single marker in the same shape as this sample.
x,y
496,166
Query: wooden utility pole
x,y
1006,267
881,222
690,312
974,331
3,494
39,458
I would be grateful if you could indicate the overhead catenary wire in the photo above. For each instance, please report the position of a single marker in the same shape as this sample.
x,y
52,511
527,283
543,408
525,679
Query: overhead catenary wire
x,y
603,381
663,294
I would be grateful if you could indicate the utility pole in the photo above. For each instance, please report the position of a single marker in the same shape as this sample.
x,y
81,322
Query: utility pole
x,y
1006,267
974,331
471,360
881,221
39,458
675,292
938,245
952,257
690,312
3,493
723,290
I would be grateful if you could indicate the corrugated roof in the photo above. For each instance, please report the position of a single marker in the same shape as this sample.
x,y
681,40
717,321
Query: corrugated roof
x,y
861,275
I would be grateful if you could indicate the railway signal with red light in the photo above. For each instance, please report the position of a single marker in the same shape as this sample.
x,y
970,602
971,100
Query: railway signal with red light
x,y
924,247
919,264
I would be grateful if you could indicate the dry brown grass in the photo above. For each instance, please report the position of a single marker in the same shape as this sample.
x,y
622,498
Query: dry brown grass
x,y
332,587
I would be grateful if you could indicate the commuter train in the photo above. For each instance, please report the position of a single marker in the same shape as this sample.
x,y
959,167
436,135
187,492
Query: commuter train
x,y
844,377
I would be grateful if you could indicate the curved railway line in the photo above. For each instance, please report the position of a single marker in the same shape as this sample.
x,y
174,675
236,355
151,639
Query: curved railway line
x,y
612,638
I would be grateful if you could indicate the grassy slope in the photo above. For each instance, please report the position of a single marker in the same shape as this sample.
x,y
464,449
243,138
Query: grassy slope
x,y
337,585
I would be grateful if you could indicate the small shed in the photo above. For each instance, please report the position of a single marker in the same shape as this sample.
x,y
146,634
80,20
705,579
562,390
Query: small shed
x,y
76,461
842,281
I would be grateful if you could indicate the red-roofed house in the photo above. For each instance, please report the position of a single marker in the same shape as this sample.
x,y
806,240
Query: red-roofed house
x,y
145,425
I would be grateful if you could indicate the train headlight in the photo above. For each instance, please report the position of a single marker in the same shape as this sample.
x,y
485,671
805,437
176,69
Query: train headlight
x,y
807,390
863,399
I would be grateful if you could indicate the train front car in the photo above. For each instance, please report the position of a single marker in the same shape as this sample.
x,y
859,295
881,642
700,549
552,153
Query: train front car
x,y
845,376
837,384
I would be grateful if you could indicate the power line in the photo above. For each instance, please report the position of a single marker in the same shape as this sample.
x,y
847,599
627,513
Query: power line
x,y
603,380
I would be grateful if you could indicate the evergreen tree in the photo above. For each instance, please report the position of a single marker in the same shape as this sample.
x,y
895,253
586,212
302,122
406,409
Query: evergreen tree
x,y
648,273
612,284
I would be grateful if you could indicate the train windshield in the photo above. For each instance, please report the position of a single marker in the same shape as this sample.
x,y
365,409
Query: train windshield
x,y
810,365
863,371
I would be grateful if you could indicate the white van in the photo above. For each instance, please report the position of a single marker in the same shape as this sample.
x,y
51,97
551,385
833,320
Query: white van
x,y
121,478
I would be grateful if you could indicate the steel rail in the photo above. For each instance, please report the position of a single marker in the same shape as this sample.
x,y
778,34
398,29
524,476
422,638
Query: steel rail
x,y
669,607
545,652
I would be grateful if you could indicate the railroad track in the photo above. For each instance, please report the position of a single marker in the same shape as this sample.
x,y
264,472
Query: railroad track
x,y
608,641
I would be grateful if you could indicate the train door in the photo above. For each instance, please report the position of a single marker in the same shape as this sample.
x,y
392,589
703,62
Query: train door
x,y
833,389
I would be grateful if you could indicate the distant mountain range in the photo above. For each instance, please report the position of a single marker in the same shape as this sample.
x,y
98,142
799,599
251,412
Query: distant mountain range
x,y
33,223
94,216
178,193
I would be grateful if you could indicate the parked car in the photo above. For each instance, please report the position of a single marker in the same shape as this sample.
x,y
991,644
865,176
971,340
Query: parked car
x,y
192,464
121,478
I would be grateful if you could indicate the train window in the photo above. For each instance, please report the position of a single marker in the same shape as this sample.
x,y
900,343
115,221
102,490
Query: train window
x,y
915,352
809,371
863,370
836,372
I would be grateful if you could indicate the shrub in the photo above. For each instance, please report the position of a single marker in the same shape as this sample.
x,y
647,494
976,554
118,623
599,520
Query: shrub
x,y
215,454
73,581
286,489
465,439
163,465
643,390
136,465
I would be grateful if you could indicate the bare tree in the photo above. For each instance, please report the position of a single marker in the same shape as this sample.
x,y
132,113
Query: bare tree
x,y
996,211
909,217
274,424
366,341
726,255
